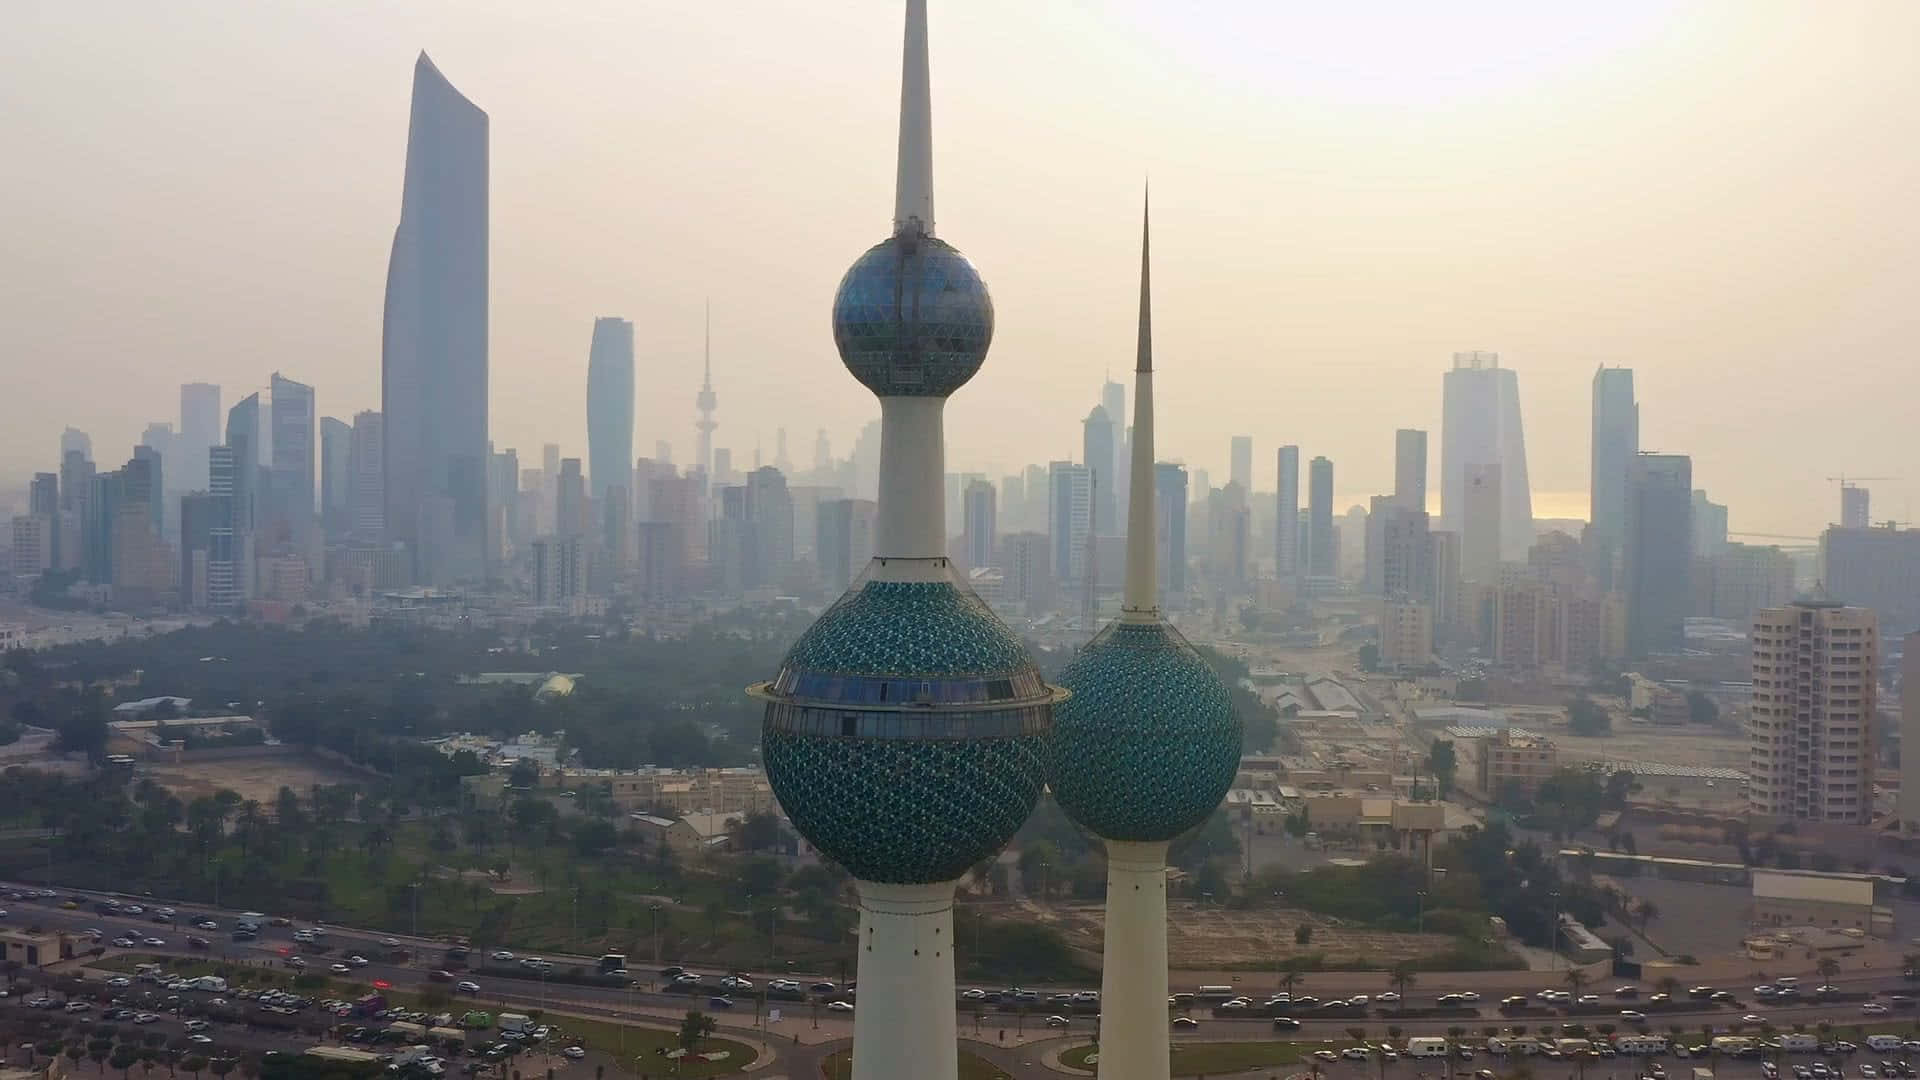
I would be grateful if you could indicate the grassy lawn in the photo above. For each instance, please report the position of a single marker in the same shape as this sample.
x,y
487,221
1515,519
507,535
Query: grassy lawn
x,y
1206,1058
840,1065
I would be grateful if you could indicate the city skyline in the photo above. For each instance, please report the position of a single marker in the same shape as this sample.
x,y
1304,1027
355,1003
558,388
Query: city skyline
x,y
1360,158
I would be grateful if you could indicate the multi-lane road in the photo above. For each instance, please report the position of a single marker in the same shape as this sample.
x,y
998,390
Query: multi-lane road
x,y
276,945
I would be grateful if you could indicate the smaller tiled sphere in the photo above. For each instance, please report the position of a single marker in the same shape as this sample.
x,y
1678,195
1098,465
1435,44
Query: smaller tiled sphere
x,y
1148,744
912,318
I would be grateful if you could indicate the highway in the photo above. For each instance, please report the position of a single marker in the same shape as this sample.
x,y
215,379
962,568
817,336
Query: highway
x,y
276,944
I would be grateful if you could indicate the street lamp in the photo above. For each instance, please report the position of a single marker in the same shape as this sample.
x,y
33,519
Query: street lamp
x,y
1422,894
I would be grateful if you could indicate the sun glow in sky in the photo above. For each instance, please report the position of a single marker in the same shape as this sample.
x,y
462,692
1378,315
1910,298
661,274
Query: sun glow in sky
x,y
1717,194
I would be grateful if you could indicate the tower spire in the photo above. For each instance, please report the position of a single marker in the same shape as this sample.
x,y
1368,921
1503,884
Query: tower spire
x,y
1140,603
706,346
913,180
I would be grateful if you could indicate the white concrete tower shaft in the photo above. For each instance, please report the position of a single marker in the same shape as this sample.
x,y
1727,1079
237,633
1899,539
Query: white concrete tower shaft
x,y
906,1026
1133,979
913,180
1139,601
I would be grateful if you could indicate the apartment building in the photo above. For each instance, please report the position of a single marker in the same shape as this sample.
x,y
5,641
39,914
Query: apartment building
x,y
1811,742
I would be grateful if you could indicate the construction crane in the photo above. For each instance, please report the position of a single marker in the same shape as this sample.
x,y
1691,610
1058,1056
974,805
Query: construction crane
x,y
1853,498
1772,536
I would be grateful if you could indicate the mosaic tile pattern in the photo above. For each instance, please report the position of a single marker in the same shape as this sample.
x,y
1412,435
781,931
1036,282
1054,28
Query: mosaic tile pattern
x,y
904,811
1148,744
912,318
901,628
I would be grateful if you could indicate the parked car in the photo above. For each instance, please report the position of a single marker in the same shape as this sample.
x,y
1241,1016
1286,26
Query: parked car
x,y
574,1052
468,987
839,1006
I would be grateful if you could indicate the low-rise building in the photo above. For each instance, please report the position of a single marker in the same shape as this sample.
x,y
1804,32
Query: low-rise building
x,y
1490,761
1843,901
34,948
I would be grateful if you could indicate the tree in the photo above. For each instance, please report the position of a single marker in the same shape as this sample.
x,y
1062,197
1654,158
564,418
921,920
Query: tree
x,y
759,831
195,1064
124,1058
1648,912
1828,967
524,774
1576,981
1586,716
1402,976
1442,763
695,1028
1700,708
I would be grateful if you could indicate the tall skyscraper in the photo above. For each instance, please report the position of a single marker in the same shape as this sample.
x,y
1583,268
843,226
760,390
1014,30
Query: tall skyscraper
x,y
1855,507
1480,425
1908,810
245,437
199,431
843,540
1322,556
433,382
1286,516
72,440
294,428
227,576
336,474
1410,468
980,530
1616,439
610,406
1481,506
1810,726
1113,398
1069,518
1170,529
1709,526
1874,567
1659,552
1143,751
1240,462
1098,452
571,516
705,402
367,474
959,767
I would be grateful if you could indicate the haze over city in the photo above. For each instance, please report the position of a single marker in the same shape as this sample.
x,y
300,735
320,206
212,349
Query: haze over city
x,y
1710,194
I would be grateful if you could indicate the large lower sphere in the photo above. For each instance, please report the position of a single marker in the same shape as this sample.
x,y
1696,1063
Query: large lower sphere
x,y
912,318
1148,744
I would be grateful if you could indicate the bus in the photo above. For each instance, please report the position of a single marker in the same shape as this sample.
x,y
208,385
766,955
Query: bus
x,y
612,962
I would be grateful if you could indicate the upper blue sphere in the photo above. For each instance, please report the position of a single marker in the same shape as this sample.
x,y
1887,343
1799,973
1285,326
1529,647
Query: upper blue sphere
x,y
903,734
1148,744
912,318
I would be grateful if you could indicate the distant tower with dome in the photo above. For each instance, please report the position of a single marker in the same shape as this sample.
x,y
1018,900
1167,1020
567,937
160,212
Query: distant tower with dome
x,y
904,731
1144,750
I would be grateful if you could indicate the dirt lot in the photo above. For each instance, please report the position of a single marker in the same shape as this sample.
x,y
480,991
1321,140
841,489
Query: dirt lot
x,y
1213,937
252,778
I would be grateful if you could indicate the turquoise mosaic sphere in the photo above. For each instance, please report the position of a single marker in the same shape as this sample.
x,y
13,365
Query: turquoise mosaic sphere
x,y
912,318
1148,744
905,732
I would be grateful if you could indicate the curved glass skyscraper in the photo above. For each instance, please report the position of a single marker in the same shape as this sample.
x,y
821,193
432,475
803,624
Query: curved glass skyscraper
x,y
610,407
433,377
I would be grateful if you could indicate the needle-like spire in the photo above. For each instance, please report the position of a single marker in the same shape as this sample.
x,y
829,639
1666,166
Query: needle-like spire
x,y
913,182
1139,602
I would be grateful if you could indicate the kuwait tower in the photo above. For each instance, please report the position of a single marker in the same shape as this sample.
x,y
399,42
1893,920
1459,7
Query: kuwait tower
x,y
1144,750
905,730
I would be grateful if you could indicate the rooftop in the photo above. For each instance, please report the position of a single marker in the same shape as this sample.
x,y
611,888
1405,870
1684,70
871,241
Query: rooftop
x,y
1815,888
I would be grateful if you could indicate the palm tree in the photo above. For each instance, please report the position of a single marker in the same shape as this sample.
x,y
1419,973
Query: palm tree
x,y
1403,978
1667,985
195,1064
1576,981
1649,911
1291,978
695,1029
1828,967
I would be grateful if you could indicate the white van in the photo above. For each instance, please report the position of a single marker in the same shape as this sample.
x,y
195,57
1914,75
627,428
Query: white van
x,y
1883,1042
211,984
1427,1047
1799,1044
1640,1044
1571,1047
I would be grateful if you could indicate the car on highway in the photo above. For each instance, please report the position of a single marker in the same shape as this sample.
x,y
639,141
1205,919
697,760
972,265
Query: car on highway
x,y
1513,1001
1327,1056
133,909
1587,999
356,960
206,924
1058,1021
195,1025
718,1001
1285,1023
1185,1022
1388,998
339,969
1626,991
440,975
146,1018
574,1052
197,942
79,1006
154,943
502,955
686,979
973,993
824,987
1753,1018
200,1040
839,1006
119,982
1875,1008
736,982
784,986
1633,1016
1355,1053
467,986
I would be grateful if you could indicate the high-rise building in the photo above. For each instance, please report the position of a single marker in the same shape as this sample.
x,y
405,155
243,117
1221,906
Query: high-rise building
x,y
336,475
1709,526
1113,398
199,432
1659,552
294,428
160,440
33,543
1323,557
228,575
503,502
1286,520
1410,468
1810,727
1142,752
1480,425
1069,509
908,690
844,540
1170,530
1026,572
1098,440
1480,532
201,513
1908,808
560,568
571,511
433,382
1742,579
1406,634
980,531
1876,567
366,475
770,509
246,434
1399,556
1240,462
1616,439
1443,588
610,406
1856,507
72,440
1011,504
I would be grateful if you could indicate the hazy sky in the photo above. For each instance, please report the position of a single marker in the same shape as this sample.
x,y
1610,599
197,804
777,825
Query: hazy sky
x,y
1720,195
